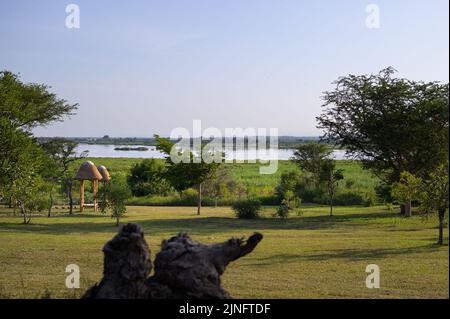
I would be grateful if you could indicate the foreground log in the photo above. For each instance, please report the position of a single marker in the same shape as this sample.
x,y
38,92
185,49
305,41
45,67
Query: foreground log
x,y
184,268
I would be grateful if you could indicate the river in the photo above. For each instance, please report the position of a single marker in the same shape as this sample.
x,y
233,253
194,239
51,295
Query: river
x,y
99,150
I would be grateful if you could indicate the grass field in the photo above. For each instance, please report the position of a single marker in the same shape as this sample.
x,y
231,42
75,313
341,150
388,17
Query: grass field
x,y
311,256
356,180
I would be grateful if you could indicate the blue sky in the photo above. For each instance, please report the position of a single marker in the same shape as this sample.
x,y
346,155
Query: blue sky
x,y
142,67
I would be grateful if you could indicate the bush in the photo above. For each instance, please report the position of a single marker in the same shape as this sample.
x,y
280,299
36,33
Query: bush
x,y
247,209
291,203
147,178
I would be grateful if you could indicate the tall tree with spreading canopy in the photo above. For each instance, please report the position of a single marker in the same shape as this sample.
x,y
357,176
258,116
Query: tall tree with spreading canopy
x,y
24,106
390,124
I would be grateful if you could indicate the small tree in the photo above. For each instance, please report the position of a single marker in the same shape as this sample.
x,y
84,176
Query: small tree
x,y
184,175
61,154
406,190
220,185
290,203
115,194
310,158
332,177
434,197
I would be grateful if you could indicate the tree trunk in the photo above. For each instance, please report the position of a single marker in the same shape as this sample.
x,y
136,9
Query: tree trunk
x,y
408,210
331,206
51,204
215,202
69,192
402,209
441,227
199,204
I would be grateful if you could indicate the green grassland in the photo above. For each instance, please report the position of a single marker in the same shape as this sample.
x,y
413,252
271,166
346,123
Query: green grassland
x,y
356,180
308,256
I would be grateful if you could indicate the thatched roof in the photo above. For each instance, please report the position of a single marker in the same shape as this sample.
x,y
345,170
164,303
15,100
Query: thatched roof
x,y
104,172
88,171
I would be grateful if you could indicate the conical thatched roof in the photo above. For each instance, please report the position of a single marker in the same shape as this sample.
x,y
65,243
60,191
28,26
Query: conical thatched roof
x,y
104,172
88,171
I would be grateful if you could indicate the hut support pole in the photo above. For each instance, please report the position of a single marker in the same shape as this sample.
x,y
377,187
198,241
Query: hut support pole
x,y
94,193
81,195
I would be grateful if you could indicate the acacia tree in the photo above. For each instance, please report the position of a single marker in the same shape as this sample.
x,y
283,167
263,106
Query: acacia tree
x,y
310,158
331,176
114,195
220,185
184,175
390,124
434,197
407,190
61,153
24,106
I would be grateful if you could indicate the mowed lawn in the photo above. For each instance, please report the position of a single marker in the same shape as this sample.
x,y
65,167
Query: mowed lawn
x,y
311,256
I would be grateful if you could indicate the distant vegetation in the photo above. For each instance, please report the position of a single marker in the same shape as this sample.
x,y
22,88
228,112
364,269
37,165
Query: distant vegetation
x,y
131,148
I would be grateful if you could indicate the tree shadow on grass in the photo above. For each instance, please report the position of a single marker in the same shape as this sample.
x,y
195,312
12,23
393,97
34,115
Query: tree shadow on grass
x,y
192,226
346,255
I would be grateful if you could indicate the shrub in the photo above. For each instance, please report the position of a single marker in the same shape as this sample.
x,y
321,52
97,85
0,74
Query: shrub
x,y
247,209
290,203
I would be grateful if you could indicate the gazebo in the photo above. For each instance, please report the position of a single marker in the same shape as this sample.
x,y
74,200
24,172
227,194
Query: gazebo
x,y
88,171
105,174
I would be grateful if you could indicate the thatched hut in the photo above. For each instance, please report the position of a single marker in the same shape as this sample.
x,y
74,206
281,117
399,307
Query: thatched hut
x,y
88,171
104,172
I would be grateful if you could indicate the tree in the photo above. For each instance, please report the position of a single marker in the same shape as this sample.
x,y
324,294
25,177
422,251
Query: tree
x,y
331,176
434,196
222,183
22,108
184,175
310,158
28,105
392,125
61,154
147,178
115,193
407,190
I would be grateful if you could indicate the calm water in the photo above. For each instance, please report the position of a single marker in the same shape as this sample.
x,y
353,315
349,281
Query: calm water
x,y
96,150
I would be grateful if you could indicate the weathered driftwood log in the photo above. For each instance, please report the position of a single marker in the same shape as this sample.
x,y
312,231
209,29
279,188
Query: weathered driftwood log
x,y
184,268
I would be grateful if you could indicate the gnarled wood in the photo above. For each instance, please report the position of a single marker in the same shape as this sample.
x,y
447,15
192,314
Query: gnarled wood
x,y
184,268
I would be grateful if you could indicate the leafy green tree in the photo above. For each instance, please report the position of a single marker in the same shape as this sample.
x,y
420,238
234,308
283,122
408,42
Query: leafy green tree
x,y
28,105
184,175
114,195
434,197
310,158
147,178
24,106
391,124
61,154
406,190
331,176
290,203
222,184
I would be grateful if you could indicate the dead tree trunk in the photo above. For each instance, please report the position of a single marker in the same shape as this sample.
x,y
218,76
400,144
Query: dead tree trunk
x,y
184,268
